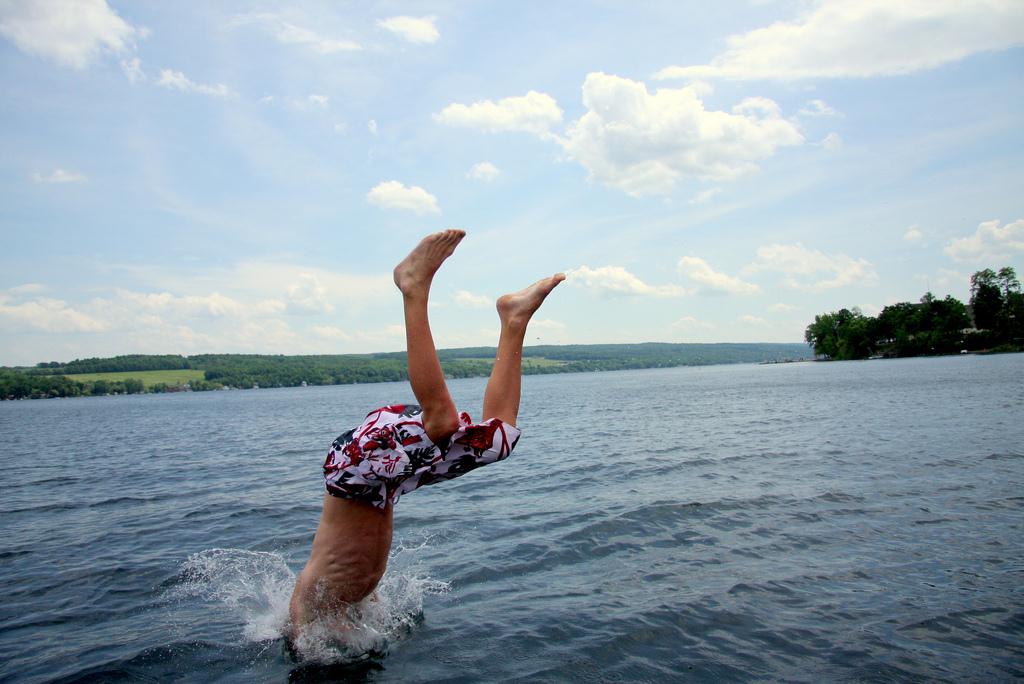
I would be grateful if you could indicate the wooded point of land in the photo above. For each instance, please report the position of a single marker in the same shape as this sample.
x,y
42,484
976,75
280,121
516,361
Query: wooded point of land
x,y
993,320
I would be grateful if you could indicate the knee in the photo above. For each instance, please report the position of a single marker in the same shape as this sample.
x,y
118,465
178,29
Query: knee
x,y
441,426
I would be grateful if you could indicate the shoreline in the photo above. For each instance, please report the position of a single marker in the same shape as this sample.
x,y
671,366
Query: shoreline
x,y
134,374
183,390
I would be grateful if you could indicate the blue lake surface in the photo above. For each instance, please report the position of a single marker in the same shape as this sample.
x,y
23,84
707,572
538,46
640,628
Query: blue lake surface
x,y
856,521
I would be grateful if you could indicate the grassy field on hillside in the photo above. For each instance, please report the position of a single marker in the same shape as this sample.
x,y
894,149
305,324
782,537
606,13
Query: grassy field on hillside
x,y
540,362
148,378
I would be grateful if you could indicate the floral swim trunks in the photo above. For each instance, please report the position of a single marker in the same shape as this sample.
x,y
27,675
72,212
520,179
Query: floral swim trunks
x,y
390,454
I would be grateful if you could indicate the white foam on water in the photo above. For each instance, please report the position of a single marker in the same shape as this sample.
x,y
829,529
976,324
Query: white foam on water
x,y
256,587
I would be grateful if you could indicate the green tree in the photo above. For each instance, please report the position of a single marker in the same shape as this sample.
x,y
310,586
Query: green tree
x,y
133,386
855,338
1013,318
843,334
1008,283
939,325
1009,323
894,328
986,298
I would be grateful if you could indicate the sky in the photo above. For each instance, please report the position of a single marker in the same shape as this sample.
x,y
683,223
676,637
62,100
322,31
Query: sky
x,y
242,177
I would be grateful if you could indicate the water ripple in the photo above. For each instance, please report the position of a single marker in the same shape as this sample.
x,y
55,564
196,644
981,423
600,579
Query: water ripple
x,y
809,522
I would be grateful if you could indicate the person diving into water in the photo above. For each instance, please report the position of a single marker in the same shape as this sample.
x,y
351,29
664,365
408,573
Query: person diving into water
x,y
402,447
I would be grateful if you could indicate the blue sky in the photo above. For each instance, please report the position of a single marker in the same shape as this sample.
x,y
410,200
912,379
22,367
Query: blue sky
x,y
242,177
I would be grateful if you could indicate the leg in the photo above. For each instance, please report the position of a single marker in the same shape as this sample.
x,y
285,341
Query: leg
x,y
501,398
413,277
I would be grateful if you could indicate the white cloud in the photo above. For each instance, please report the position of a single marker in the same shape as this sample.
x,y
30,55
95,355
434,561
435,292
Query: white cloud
x,y
534,112
705,196
811,269
26,288
132,69
913,234
862,38
700,272
869,309
945,278
307,293
386,334
470,300
121,310
272,279
643,143
818,108
484,171
270,335
547,327
48,315
302,104
213,305
617,280
176,80
371,126
58,176
288,33
269,307
246,307
417,30
331,332
750,319
70,32
388,337
691,323
782,307
990,242
204,322
832,142
395,195
139,322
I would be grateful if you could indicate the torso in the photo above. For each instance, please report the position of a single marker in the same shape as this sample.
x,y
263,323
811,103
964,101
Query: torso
x,y
348,559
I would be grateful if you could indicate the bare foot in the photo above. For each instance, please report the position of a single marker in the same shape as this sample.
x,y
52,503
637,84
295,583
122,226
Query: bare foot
x,y
414,273
519,306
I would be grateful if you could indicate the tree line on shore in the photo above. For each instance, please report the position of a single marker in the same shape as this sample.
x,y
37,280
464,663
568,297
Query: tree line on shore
x,y
245,371
19,384
992,321
115,364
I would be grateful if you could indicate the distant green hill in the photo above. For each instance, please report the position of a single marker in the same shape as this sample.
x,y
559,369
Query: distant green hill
x,y
135,373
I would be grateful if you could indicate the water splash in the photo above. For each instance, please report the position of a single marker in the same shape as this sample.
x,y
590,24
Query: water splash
x,y
255,588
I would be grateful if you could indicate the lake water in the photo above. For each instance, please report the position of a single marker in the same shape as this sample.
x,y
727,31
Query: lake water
x,y
856,521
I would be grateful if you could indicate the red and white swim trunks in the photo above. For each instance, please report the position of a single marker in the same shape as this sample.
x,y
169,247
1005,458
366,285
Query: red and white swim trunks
x,y
390,454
